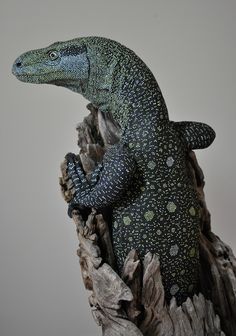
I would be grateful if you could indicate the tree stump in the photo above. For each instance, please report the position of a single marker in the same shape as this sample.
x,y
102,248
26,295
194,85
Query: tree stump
x,y
133,304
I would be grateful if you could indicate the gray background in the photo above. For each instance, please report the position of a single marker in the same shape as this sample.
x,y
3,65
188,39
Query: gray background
x,y
190,47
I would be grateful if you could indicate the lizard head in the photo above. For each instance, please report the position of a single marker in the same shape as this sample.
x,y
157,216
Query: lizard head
x,y
62,63
85,65
102,70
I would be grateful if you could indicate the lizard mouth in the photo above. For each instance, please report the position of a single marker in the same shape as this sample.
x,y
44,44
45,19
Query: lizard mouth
x,y
25,75
27,78
22,75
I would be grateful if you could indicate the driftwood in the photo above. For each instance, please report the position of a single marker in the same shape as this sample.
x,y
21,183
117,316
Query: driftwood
x,y
134,303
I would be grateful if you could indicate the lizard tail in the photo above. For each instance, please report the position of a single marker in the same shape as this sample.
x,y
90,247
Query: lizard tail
x,y
196,135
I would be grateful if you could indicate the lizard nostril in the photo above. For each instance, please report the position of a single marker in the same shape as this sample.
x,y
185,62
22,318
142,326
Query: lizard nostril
x,y
18,64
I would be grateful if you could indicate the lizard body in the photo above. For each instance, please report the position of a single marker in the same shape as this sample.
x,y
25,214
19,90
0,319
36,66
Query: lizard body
x,y
144,178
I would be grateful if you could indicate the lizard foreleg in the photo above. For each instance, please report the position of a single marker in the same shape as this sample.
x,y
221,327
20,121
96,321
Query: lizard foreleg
x,y
108,181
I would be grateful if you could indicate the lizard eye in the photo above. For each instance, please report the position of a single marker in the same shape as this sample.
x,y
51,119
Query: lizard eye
x,y
53,55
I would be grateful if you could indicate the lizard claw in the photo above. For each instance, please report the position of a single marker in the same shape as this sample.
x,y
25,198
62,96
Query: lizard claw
x,y
70,157
72,206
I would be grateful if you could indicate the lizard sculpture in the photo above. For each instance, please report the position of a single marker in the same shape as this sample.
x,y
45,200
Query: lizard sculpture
x,y
144,178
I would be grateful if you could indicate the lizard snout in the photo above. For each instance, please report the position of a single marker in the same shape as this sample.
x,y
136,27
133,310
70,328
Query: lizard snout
x,y
17,66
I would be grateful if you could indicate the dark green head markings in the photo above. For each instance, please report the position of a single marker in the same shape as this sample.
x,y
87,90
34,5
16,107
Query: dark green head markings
x,y
73,50
144,178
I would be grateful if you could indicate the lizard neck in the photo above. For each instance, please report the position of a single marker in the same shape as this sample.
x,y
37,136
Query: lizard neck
x,y
130,99
122,85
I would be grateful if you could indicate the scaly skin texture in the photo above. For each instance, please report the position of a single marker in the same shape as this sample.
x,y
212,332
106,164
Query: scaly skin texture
x,y
144,178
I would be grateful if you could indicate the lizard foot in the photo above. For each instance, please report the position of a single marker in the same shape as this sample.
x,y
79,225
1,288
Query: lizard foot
x,y
77,176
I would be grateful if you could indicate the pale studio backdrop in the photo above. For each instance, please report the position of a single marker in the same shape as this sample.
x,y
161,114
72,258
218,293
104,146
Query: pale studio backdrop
x,y
190,47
